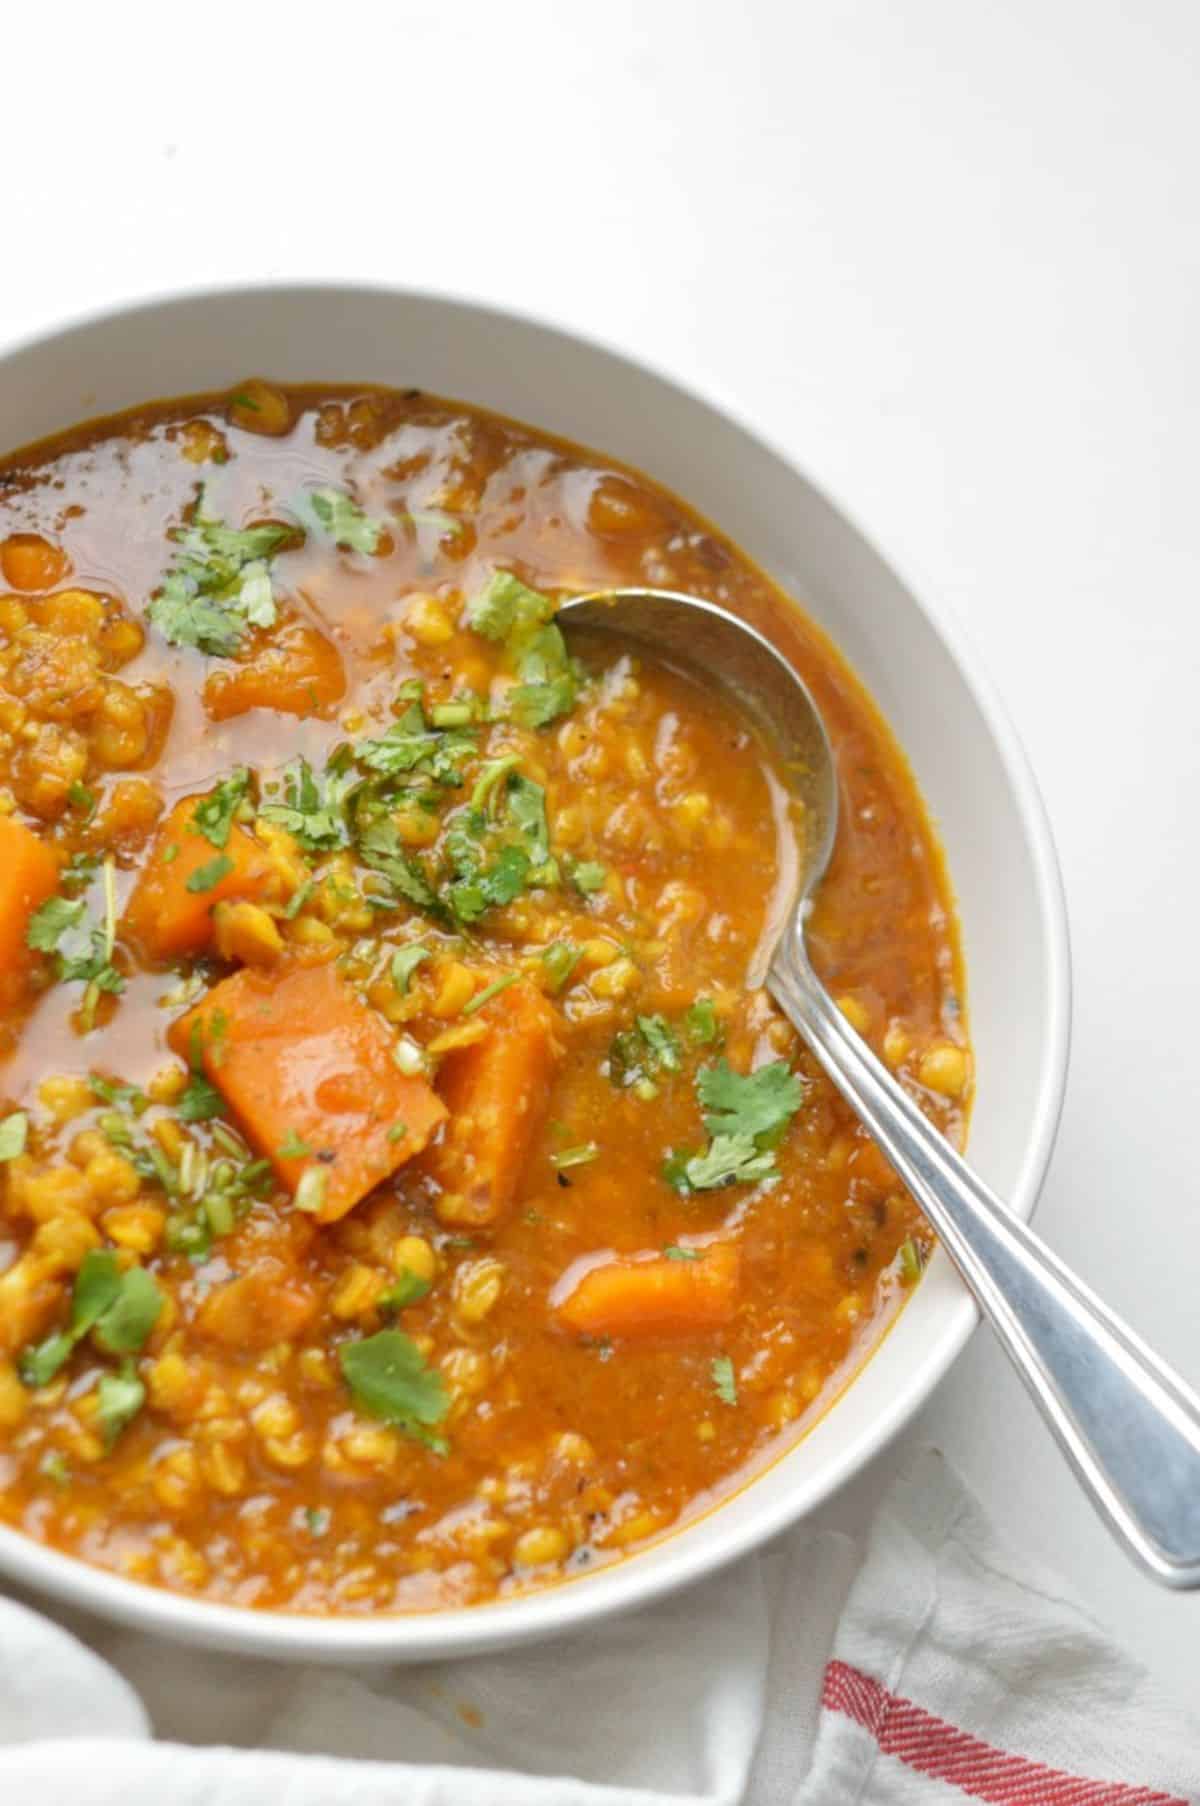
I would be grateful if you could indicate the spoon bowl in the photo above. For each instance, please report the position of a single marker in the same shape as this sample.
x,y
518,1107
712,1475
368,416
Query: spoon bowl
x,y
1129,1426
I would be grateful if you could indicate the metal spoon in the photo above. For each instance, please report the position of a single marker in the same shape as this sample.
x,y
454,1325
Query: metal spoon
x,y
1129,1426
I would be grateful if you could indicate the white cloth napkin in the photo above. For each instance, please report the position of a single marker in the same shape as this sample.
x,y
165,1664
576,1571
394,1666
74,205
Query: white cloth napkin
x,y
934,1668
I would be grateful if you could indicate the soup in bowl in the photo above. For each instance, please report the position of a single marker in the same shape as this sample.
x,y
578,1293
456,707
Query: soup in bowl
x,y
407,1201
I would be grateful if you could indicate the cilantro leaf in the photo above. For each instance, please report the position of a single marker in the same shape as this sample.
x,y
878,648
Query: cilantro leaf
x,y
587,875
97,1288
676,1253
405,961
128,1321
527,811
754,1104
506,605
50,921
38,1364
119,1398
408,1289
56,928
344,521
409,744
214,814
637,1055
208,876
728,1160
14,1131
387,1374
292,1147
508,610
381,848
724,1381
662,1044
560,959
219,585
702,1023
312,811
200,1100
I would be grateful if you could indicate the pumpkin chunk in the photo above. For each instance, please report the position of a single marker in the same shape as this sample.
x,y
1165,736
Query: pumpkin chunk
x,y
170,912
307,1070
497,1092
28,875
658,1296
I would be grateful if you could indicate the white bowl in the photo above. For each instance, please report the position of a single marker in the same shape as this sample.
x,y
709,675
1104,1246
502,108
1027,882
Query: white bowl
x,y
967,761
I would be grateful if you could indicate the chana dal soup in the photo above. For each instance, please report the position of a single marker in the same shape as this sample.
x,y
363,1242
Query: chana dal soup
x,y
404,1200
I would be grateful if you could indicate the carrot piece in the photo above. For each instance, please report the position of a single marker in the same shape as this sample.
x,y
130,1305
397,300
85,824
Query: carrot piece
x,y
30,562
266,1305
305,1066
28,875
655,1296
163,915
497,1091
298,671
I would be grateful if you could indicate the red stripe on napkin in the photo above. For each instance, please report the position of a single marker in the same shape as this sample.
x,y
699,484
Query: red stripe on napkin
x,y
938,1749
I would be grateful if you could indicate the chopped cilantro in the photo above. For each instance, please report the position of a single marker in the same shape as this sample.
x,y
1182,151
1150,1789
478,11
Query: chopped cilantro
x,y
381,848
214,815
121,1307
506,605
312,812
579,1156
121,1097
723,1379
745,1116
219,585
298,899
199,1100
410,745
56,928
702,1023
81,798
728,1160
560,959
397,1132
677,1253
508,610
119,1398
489,991
405,961
54,1467
527,810
209,875
643,1053
387,1374
124,1327
755,1104
408,1289
912,1261
587,875
14,1131
344,521
309,1195
293,1148
317,1519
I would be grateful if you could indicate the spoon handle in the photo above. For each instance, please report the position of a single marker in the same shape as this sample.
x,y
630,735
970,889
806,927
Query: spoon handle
x,y
1129,1426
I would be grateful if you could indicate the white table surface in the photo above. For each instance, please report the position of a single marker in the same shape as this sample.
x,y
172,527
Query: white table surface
x,y
949,256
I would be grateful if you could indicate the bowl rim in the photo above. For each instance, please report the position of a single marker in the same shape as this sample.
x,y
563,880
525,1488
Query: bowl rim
x,y
630,1583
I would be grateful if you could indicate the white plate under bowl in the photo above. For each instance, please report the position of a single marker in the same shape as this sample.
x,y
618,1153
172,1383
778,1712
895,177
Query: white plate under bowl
x,y
967,761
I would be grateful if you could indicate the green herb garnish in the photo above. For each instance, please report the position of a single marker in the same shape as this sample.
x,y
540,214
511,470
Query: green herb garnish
x,y
214,815
14,1132
388,1377
677,1253
121,1307
405,961
80,954
702,1023
489,991
745,1115
724,1380
312,812
587,875
119,1398
340,516
220,584
293,1148
208,876
560,959
408,1289
507,610
579,1156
